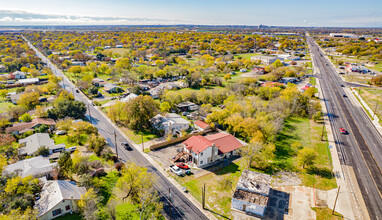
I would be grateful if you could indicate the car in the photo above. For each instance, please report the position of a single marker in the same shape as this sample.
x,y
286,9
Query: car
x,y
126,145
343,131
344,95
77,91
342,73
61,132
185,113
176,170
342,85
71,149
182,166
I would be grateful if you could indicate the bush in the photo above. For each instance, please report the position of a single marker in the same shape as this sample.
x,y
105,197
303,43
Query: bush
x,y
225,183
43,151
95,164
25,118
119,165
42,129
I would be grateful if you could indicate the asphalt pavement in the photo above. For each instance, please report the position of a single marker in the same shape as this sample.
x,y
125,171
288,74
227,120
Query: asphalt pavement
x,y
180,207
361,148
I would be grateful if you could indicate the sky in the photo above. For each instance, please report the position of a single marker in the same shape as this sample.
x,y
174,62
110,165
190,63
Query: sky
x,y
318,13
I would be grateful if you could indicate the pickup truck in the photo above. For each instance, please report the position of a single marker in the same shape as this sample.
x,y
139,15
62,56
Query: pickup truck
x,y
176,170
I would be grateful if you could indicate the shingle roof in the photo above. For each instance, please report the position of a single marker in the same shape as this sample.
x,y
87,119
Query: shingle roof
x,y
33,166
201,124
197,144
225,142
35,141
54,192
25,126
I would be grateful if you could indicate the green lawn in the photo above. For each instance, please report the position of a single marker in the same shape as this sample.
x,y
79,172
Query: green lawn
x,y
326,214
300,132
74,216
377,67
136,137
4,106
63,139
247,55
126,211
373,97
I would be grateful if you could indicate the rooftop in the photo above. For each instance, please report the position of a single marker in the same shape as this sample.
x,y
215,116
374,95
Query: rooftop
x,y
185,104
250,197
255,182
56,191
32,166
35,141
201,124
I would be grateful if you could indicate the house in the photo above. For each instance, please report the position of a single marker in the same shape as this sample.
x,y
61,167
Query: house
x,y
36,166
204,150
29,81
15,97
57,198
169,86
267,60
251,194
98,82
287,80
243,70
258,71
17,75
32,143
131,96
295,58
78,63
119,46
201,125
170,123
20,128
187,106
155,93
111,88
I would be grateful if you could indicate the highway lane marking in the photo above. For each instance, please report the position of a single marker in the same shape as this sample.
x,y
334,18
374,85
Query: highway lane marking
x,y
367,165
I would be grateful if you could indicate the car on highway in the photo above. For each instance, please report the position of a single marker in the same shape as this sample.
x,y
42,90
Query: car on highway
x,y
126,145
176,170
342,85
344,95
77,91
343,131
182,166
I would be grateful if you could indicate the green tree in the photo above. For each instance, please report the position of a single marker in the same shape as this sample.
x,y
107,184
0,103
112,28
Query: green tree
x,y
65,162
165,106
29,100
249,151
3,93
89,204
123,63
306,157
97,144
43,151
25,118
68,108
93,90
18,186
227,77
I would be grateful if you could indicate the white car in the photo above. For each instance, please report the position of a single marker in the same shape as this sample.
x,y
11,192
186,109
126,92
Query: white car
x,y
176,170
71,149
60,132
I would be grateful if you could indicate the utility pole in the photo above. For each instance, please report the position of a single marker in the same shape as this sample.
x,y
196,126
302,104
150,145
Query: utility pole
x,y
204,196
90,115
169,192
115,142
335,201
323,130
143,147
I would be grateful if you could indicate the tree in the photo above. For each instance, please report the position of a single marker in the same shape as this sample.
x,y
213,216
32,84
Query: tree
x,y
227,77
3,93
3,162
165,106
306,157
29,100
65,162
123,63
6,139
278,63
18,185
249,151
89,204
68,108
41,112
97,144
24,69
93,90
25,118
293,63
43,151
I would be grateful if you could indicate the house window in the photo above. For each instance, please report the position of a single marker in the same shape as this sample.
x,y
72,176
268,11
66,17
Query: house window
x,y
56,212
67,207
201,162
201,154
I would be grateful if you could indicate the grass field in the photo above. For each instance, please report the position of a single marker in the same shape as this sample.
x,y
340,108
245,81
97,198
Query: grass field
x,y
326,214
4,106
373,97
74,216
63,139
136,137
247,55
119,51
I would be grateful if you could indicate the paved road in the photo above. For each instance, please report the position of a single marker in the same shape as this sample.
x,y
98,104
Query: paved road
x,y
362,147
182,208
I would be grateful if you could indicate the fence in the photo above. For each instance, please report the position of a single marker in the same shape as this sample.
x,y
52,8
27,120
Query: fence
x,y
176,140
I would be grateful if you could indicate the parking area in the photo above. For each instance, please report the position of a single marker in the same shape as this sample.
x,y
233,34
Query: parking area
x,y
165,155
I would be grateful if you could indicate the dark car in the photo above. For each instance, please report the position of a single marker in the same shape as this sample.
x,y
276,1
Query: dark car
x,y
126,145
344,95
77,91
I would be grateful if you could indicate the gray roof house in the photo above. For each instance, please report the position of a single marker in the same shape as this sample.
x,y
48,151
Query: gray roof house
x,y
36,166
57,198
32,143
171,122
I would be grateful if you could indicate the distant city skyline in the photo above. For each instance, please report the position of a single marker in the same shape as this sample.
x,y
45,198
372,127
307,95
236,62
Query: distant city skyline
x,y
325,13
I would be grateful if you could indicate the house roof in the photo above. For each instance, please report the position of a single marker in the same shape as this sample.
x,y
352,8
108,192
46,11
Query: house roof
x,y
109,86
35,141
201,124
185,104
250,197
32,166
225,142
255,182
25,126
30,80
129,97
197,144
55,192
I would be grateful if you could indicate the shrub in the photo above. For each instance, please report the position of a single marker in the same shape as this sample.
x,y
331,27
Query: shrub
x,y
119,165
43,151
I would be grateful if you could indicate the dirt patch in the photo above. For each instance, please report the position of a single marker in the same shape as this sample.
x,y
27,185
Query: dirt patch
x,y
286,179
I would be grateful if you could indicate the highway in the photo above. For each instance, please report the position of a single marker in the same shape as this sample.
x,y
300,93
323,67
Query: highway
x,y
181,207
361,148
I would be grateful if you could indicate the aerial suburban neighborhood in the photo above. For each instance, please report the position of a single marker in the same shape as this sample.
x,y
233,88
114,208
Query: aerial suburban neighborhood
x,y
138,110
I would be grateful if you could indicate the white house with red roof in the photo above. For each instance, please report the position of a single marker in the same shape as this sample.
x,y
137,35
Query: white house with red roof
x,y
204,150
201,125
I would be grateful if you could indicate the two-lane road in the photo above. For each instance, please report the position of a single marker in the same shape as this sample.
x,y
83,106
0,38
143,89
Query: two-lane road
x,y
181,207
362,147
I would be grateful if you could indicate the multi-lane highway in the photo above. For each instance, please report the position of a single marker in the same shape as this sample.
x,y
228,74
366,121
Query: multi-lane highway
x,y
181,207
361,148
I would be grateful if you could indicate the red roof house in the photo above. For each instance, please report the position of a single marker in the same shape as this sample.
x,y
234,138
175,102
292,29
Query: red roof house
x,y
201,125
